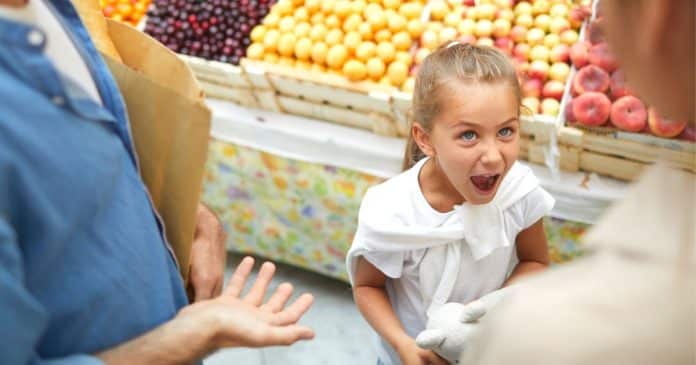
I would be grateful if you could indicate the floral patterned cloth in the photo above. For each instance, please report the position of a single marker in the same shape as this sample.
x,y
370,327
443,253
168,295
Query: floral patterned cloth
x,y
305,214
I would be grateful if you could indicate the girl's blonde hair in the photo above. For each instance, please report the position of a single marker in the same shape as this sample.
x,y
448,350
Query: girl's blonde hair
x,y
454,61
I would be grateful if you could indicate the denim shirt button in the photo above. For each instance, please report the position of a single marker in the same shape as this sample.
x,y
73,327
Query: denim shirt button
x,y
35,38
58,100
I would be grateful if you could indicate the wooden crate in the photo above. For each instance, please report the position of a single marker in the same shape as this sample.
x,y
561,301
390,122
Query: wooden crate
x,y
322,96
222,81
619,154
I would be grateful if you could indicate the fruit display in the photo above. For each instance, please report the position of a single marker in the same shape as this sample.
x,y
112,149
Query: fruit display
x,y
211,29
536,34
128,11
599,95
356,39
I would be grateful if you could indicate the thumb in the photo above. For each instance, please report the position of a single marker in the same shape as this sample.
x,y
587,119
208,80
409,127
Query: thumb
x,y
472,312
430,339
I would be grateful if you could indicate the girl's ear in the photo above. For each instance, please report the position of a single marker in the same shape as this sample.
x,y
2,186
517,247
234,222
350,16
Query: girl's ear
x,y
422,139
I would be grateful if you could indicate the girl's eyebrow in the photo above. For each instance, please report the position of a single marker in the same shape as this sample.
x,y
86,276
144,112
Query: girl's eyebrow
x,y
474,124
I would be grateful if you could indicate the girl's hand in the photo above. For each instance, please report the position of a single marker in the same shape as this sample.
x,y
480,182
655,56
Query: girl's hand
x,y
411,354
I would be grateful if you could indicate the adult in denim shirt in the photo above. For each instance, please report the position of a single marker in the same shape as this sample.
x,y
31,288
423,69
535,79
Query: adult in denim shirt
x,y
85,274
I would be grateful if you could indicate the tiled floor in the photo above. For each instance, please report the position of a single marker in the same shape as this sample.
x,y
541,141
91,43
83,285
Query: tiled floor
x,y
342,335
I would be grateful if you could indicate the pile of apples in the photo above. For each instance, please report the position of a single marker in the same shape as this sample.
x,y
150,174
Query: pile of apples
x,y
601,96
358,39
536,34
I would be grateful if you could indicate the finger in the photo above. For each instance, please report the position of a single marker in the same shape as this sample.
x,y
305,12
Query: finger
x,y
218,288
238,280
295,311
258,290
435,359
202,291
279,298
285,336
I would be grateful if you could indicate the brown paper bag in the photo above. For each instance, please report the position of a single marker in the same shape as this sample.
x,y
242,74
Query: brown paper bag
x,y
170,124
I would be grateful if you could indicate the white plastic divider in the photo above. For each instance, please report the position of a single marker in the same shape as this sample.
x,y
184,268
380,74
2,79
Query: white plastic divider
x,y
580,197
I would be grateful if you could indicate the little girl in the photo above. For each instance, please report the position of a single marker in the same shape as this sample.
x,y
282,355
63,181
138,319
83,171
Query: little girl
x,y
464,218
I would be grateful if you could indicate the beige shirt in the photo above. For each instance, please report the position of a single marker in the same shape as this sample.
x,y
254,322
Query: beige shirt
x,y
631,301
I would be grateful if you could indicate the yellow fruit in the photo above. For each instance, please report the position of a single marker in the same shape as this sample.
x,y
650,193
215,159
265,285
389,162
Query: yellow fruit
x,y
365,30
397,73
375,68
352,23
396,23
286,61
377,20
466,27
409,85
421,55
271,20
452,19
303,49
258,33
383,35
415,28
286,24
354,70
302,30
286,45
391,4
370,9
319,51
318,68
404,57
270,40
486,11
255,51
447,34
430,39
332,21
327,6
357,6
411,10
435,26
365,51
318,18
438,10
303,65
386,51
343,9
402,41
334,36
336,56
313,5
385,82
318,32
352,40
301,14
270,58
283,7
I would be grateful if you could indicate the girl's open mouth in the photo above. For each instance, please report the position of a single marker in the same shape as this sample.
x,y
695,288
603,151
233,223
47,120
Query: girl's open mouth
x,y
485,183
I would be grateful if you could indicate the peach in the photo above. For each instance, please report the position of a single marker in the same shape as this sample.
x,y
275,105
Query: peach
x,y
663,127
532,87
599,55
580,54
539,69
689,134
521,51
592,109
504,44
467,38
591,78
577,16
553,89
594,32
560,53
568,112
628,113
617,86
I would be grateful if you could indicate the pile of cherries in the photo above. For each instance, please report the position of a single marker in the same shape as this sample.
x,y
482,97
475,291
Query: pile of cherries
x,y
211,29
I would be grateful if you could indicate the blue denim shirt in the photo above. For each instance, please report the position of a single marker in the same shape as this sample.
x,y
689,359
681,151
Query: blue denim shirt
x,y
83,263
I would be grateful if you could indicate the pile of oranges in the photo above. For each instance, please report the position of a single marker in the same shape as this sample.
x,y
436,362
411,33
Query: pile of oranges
x,y
128,11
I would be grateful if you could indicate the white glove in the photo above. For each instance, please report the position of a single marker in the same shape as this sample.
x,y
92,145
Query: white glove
x,y
451,326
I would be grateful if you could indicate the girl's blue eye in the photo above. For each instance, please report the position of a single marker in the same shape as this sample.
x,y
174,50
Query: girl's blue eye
x,y
505,132
468,135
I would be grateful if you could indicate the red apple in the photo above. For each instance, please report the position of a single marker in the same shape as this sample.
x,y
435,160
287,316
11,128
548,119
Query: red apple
x,y
539,70
531,87
594,32
617,86
592,109
553,89
591,78
560,53
580,54
504,44
689,134
662,127
469,2
521,51
628,113
600,56
518,33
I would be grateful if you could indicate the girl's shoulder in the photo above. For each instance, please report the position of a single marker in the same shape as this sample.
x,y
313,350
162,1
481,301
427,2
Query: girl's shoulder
x,y
390,196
